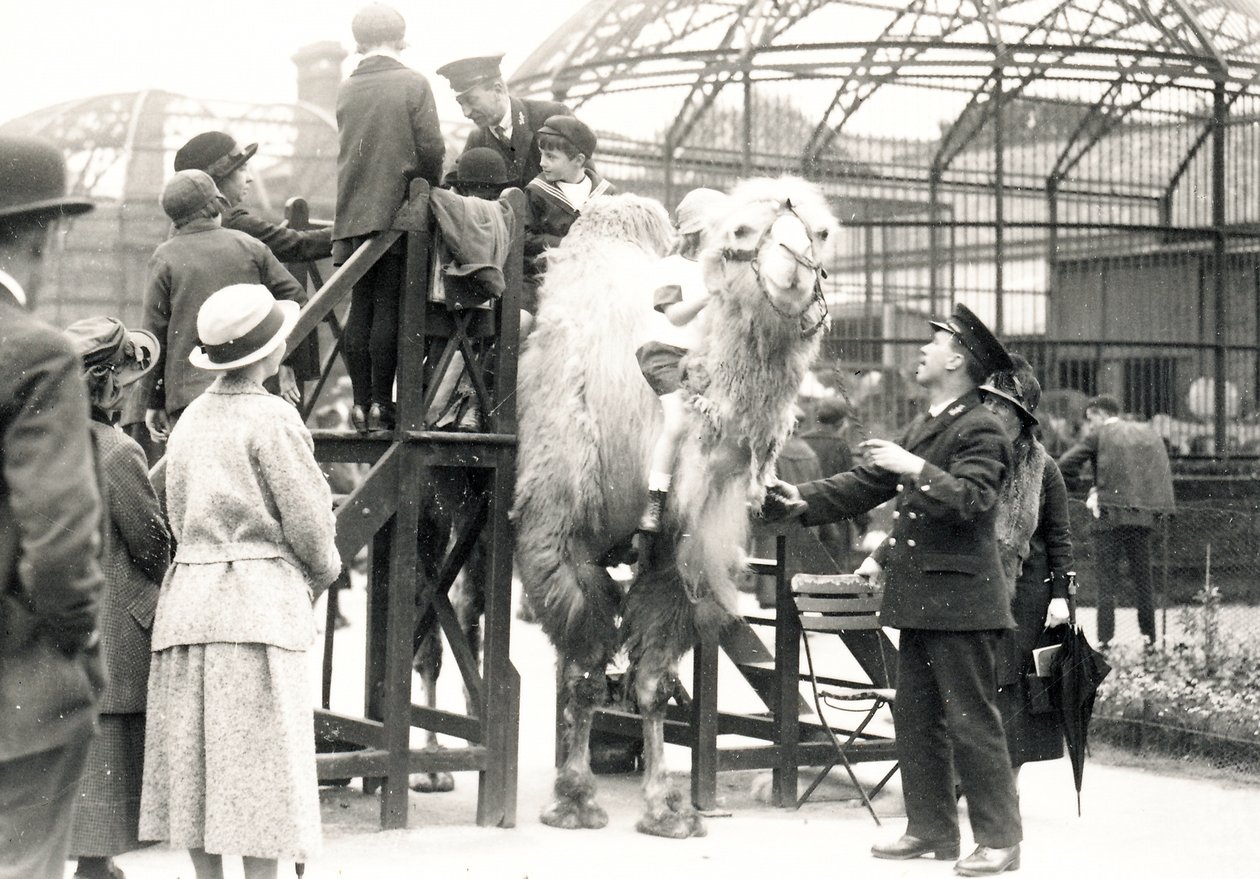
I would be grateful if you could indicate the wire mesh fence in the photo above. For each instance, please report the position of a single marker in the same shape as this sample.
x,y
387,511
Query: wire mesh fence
x,y
1195,692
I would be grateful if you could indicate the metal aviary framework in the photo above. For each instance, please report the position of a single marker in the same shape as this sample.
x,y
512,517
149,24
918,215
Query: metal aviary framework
x,y
1077,171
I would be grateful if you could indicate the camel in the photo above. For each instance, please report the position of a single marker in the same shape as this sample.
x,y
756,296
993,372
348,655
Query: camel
x,y
587,423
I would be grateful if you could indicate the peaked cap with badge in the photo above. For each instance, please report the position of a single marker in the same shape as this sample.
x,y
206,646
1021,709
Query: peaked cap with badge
x,y
973,335
468,73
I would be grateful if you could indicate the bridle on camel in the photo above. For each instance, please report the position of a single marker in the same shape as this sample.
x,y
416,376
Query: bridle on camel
x,y
731,254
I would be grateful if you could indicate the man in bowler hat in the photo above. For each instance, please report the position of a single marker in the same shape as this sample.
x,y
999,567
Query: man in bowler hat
x,y
944,589
505,124
51,673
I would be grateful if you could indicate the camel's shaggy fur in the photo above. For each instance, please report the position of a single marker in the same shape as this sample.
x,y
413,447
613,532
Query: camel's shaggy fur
x,y
588,421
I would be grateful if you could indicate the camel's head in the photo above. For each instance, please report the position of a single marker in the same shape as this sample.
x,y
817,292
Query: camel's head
x,y
770,243
631,219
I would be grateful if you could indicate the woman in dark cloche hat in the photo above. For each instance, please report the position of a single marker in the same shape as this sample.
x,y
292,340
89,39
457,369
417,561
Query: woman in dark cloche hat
x,y
1035,545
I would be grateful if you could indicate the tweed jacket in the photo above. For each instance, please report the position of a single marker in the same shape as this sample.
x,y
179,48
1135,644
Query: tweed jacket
x,y
252,518
50,577
521,155
389,135
137,553
288,245
199,259
941,566
1131,472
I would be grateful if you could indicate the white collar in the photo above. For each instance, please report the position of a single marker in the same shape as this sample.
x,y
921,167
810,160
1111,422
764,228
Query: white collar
x,y
384,52
941,407
11,284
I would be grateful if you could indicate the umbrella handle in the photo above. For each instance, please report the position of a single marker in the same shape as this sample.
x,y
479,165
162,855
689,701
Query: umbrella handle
x,y
1071,589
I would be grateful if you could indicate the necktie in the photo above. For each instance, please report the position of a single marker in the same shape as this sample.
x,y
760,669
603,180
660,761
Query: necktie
x,y
500,135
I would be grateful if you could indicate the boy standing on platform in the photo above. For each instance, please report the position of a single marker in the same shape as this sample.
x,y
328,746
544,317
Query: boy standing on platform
x,y
557,195
389,135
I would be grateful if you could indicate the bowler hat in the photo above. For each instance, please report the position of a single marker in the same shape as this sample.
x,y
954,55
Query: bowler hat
x,y
1017,386
573,130
973,335
214,152
33,180
377,24
697,208
239,325
481,166
103,342
186,193
468,73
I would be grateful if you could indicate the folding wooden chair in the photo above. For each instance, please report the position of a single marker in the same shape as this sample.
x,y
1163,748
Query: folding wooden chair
x,y
838,603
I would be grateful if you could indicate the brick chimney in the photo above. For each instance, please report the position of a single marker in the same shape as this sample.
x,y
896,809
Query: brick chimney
x,y
319,73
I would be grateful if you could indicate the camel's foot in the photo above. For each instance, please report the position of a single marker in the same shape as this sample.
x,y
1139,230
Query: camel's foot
x,y
432,782
674,820
574,807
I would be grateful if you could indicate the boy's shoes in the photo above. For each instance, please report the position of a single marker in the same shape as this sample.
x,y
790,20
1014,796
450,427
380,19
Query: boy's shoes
x,y
651,521
381,416
359,418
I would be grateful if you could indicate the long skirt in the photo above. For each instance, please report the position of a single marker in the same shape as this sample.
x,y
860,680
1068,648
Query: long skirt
x,y
107,818
230,752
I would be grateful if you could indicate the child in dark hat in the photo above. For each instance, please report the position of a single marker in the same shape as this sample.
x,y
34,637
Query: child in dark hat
x,y
389,135
480,173
198,259
557,195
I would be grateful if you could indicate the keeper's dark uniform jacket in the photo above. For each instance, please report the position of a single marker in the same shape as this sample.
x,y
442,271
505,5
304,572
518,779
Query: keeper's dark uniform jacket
x,y
941,567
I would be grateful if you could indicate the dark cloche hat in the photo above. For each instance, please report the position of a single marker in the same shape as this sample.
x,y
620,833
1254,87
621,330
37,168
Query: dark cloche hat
x,y
573,130
468,73
33,180
377,24
215,153
1017,386
976,338
481,166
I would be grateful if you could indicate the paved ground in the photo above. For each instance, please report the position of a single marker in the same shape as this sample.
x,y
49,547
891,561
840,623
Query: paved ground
x,y
1135,822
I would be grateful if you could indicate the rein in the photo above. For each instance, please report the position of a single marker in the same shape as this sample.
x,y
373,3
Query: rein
x,y
731,254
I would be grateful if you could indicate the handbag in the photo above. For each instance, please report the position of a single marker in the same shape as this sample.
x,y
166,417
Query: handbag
x,y
1037,686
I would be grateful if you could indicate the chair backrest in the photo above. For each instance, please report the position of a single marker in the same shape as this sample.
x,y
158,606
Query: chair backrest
x,y
836,602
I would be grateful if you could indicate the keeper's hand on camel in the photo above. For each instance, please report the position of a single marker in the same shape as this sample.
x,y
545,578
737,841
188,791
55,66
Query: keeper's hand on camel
x,y
892,457
783,501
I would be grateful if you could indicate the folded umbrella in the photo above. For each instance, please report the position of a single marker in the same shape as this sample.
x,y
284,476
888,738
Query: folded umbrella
x,y
1075,675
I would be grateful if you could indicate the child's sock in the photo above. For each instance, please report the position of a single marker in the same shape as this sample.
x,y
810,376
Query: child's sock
x,y
658,481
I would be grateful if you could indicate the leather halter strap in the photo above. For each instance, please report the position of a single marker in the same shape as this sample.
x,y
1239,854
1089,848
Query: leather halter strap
x,y
731,254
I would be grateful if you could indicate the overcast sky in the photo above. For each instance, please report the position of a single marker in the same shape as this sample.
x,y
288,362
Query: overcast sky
x,y
60,50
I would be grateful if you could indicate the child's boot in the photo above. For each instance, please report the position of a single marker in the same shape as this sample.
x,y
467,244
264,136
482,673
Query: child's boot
x,y
651,521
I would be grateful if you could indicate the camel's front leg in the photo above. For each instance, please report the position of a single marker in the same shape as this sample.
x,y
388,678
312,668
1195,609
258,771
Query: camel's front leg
x,y
574,804
666,811
428,662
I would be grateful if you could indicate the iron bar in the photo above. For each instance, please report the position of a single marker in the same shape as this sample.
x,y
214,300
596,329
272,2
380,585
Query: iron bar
x,y
1220,120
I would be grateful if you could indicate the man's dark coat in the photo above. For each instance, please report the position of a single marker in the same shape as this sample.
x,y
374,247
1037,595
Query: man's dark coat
x,y
521,155
941,567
